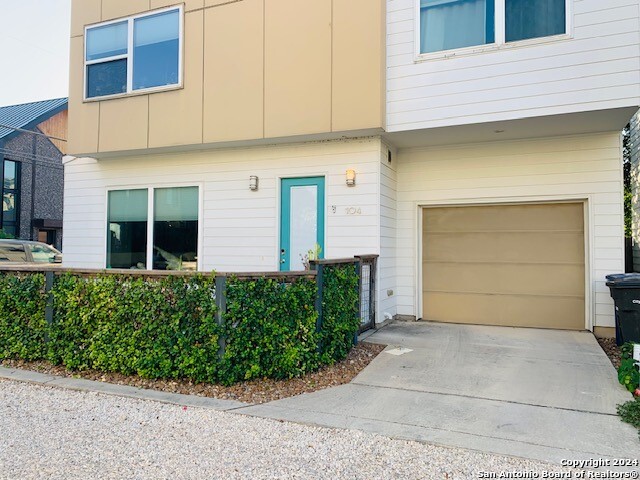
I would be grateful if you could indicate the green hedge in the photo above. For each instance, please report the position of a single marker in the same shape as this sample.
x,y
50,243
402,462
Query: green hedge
x,y
270,329
341,318
167,328
155,328
22,323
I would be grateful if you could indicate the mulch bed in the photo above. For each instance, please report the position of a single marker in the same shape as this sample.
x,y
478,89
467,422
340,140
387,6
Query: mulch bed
x,y
254,391
611,349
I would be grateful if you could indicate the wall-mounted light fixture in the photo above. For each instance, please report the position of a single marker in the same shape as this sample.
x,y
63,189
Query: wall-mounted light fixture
x,y
253,183
351,178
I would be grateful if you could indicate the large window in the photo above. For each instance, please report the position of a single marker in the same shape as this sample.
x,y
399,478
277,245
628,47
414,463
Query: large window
x,y
141,53
174,229
10,216
127,230
453,24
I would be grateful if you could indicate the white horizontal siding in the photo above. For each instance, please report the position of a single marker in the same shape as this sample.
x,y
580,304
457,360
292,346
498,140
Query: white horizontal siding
x,y
576,167
388,215
240,230
596,69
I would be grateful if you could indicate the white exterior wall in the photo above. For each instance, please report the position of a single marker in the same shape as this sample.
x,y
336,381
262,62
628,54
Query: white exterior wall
x,y
388,233
562,168
240,228
596,69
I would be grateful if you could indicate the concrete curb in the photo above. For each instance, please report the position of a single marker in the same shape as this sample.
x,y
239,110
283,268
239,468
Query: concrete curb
x,y
83,385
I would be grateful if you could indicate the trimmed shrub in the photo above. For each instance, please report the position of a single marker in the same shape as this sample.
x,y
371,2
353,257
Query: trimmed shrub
x,y
162,328
22,322
270,329
167,327
340,317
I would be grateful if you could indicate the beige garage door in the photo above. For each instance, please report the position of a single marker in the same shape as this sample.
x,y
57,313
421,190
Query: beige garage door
x,y
516,265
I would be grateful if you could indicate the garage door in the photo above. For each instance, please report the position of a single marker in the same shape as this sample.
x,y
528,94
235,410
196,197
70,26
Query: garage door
x,y
515,265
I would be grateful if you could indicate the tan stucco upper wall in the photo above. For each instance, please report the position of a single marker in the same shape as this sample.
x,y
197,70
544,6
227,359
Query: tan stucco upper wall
x,y
253,69
234,72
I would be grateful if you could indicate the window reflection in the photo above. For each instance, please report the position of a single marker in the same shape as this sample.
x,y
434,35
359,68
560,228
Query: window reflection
x,y
127,234
175,228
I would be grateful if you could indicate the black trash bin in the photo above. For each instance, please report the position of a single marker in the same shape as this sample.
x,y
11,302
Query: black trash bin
x,y
625,291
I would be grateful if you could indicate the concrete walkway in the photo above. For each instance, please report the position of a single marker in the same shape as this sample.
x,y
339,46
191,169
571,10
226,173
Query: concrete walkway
x,y
539,394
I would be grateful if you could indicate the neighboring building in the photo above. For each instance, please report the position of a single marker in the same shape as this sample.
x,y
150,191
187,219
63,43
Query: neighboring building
x,y
484,138
32,171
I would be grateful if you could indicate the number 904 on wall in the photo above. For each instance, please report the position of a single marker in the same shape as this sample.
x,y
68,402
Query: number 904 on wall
x,y
353,210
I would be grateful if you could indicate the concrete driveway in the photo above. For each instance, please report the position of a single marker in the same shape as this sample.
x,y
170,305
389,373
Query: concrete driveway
x,y
540,394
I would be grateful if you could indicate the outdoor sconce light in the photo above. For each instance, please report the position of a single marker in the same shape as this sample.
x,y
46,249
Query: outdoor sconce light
x,y
351,178
253,183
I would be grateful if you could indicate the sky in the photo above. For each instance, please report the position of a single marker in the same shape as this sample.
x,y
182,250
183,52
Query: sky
x,y
34,38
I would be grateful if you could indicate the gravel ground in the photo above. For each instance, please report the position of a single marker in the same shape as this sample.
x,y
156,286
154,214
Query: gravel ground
x,y
255,391
611,349
54,433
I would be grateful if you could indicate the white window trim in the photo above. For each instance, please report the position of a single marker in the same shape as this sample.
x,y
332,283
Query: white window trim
x,y
129,55
150,211
499,43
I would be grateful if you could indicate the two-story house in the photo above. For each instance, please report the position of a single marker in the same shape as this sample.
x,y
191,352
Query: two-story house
x,y
473,144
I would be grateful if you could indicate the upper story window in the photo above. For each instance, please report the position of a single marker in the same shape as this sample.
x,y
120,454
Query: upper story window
x,y
141,53
451,24
526,19
454,24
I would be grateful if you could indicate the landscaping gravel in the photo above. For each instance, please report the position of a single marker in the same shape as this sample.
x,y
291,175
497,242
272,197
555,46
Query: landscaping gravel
x,y
55,433
255,391
611,349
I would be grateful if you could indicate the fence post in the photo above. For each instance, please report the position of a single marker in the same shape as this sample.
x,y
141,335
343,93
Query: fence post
x,y
358,266
48,309
221,309
319,268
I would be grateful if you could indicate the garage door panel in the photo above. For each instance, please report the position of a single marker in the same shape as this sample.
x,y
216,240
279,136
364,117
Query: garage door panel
x,y
534,247
515,311
544,217
545,279
518,265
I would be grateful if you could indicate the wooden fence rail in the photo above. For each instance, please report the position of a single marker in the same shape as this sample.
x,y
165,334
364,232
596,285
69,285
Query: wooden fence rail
x,y
221,279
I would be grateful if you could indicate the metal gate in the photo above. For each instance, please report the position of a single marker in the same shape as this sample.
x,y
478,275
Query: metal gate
x,y
367,266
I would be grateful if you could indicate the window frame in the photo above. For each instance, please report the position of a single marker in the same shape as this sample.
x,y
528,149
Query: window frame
x,y
16,192
150,219
499,43
129,56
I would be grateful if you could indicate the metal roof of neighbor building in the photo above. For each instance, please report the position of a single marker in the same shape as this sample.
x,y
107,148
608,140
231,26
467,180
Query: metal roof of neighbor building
x,y
28,115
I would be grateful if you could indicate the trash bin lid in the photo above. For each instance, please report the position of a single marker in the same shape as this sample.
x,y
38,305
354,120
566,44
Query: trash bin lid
x,y
624,280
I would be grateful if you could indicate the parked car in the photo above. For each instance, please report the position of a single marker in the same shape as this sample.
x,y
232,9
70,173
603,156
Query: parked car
x,y
15,252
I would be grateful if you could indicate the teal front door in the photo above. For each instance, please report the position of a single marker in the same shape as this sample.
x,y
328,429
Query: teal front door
x,y
301,220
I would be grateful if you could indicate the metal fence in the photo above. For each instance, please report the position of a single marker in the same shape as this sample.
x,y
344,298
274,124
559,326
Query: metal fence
x,y
364,264
368,267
